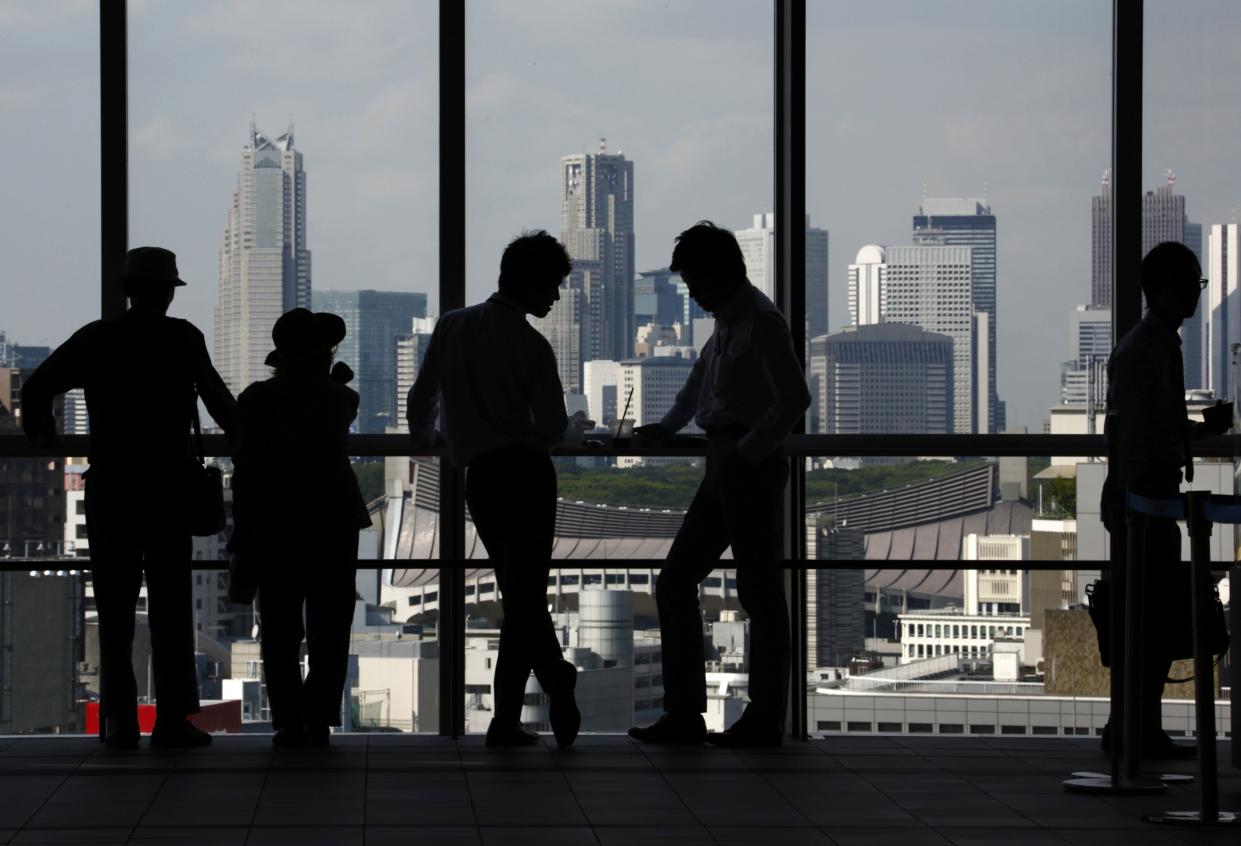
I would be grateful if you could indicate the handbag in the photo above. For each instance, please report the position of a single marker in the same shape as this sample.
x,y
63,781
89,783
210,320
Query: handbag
x,y
204,489
1173,627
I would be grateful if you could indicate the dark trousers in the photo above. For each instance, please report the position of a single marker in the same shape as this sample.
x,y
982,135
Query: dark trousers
x,y
1162,555
736,505
323,583
511,494
134,534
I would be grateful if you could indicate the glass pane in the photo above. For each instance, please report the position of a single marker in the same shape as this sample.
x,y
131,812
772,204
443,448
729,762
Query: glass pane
x,y
49,235
955,177
613,127
943,620
291,160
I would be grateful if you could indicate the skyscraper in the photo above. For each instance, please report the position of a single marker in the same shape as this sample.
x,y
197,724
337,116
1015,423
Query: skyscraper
x,y
564,330
1084,375
1222,327
758,249
968,222
929,284
1163,219
883,377
373,320
866,286
264,261
596,227
410,348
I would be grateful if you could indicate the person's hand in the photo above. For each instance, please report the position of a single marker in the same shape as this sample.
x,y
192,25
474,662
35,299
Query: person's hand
x,y
651,435
1217,419
576,431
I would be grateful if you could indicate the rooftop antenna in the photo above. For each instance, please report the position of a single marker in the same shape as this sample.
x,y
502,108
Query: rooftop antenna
x,y
254,131
1107,178
923,209
603,144
1171,178
985,202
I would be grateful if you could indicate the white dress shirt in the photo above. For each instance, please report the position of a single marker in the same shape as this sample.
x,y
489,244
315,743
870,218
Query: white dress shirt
x,y
747,373
491,379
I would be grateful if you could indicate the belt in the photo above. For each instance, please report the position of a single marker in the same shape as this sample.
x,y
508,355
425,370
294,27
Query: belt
x,y
735,431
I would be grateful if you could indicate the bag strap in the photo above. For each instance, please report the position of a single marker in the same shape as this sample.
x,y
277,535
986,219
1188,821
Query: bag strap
x,y
201,453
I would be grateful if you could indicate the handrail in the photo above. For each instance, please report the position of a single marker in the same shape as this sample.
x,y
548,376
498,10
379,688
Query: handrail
x,y
19,565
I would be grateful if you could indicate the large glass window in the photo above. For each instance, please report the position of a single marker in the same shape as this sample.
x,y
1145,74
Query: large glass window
x,y
288,154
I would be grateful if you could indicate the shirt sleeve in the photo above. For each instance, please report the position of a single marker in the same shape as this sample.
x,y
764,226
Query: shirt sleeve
x,y
68,367
686,404
423,402
784,372
546,394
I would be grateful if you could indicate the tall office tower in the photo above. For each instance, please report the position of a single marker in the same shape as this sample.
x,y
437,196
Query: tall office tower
x,y
929,285
1101,245
655,383
1192,330
600,379
883,377
264,262
758,249
1222,328
1083,376
596,227
32,489
22,356
1163,219
409,350
564,329
866,286
373,319
969,223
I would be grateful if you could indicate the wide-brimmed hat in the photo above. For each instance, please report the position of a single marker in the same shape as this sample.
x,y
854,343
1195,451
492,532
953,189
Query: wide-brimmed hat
x,y
151,264
301,331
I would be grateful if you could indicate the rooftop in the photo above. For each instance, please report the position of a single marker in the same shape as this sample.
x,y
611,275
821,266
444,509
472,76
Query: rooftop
x,y
381,789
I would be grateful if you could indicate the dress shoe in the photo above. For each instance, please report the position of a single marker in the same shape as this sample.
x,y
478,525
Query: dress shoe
x,y
745,735
180,735
1155,748
672,729
318,735
563,712
121,735
503,734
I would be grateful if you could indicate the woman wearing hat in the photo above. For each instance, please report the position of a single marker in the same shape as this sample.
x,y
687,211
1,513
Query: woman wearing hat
x,y
298,510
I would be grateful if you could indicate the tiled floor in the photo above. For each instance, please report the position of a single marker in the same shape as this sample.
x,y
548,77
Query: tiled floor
x,y
381,789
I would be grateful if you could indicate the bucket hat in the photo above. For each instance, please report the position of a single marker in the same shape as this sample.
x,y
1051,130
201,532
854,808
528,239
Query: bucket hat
x,y
151,264
301,331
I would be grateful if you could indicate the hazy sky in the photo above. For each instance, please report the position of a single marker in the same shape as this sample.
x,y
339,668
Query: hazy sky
x,y
963,95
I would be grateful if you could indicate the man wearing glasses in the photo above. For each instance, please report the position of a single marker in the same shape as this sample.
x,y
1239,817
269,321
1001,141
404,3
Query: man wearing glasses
x,y
1148,433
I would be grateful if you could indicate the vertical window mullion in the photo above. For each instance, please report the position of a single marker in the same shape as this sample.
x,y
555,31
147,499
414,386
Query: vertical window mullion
x,y
113,155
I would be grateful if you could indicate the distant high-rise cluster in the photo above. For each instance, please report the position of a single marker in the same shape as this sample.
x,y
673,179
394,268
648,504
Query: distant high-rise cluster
x,y
373,322
264,260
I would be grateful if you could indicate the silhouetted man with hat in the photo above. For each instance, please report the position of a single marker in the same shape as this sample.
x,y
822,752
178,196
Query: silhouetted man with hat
x,y
1148,433
143,373
492,381
746,391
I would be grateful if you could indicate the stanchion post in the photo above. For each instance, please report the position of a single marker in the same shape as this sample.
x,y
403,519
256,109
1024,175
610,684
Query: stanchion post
x,y
1234,625
1204,670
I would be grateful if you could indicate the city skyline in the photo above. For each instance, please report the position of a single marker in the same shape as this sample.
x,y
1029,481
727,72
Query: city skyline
x,y
1036,141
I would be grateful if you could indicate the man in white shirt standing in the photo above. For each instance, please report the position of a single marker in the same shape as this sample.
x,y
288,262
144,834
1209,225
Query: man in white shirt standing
x,y
491,379
746,391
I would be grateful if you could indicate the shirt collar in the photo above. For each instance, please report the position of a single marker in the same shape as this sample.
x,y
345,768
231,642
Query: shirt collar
x,y
505,300
1164,331
734,308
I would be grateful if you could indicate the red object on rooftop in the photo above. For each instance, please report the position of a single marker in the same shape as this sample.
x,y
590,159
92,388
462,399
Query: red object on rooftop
x,y
218,716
